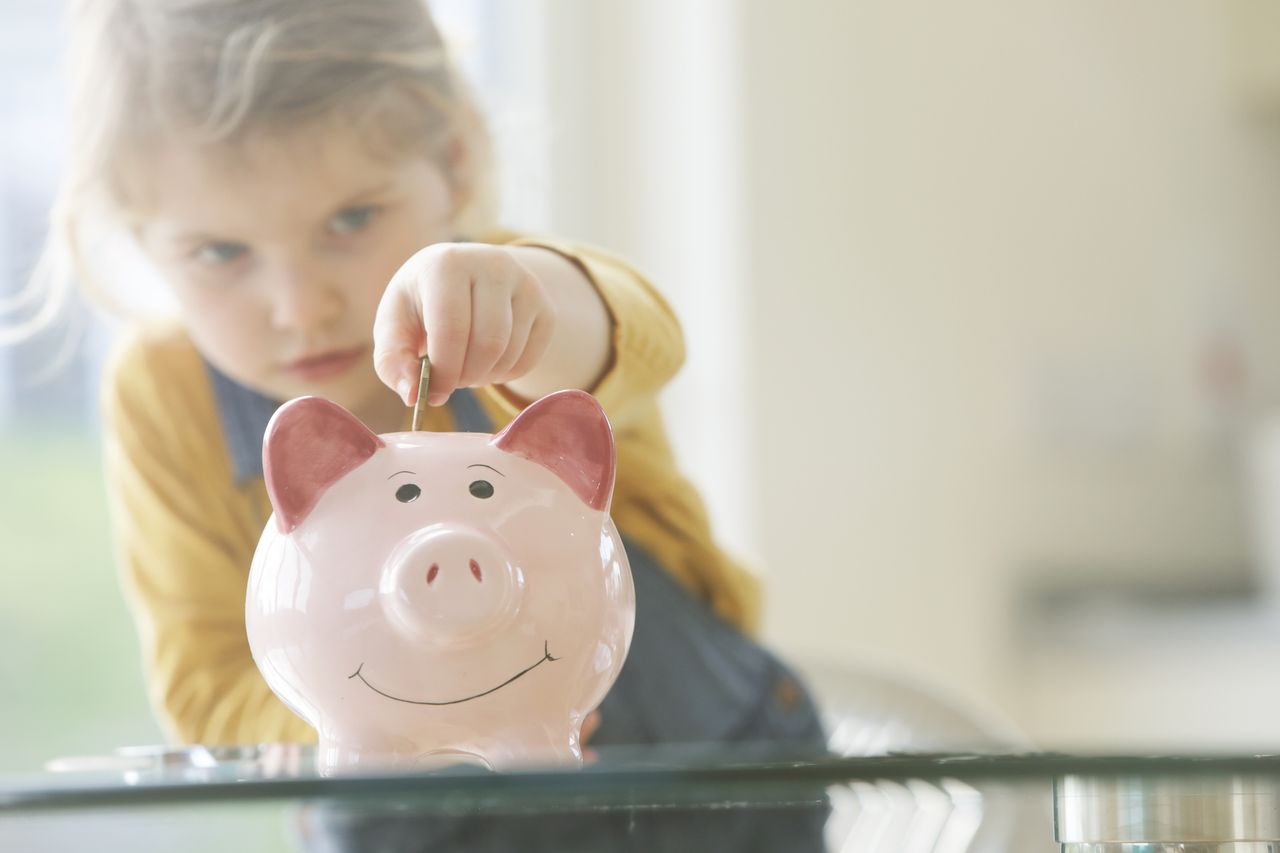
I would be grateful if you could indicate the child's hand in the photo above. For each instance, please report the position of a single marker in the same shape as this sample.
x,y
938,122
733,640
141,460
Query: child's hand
x,y
484,316
525,317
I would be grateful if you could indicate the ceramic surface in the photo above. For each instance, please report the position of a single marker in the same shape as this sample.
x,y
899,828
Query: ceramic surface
x,y
424,598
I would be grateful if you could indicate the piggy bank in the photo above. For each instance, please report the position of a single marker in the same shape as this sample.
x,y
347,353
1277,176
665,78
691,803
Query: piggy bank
x,y
427,598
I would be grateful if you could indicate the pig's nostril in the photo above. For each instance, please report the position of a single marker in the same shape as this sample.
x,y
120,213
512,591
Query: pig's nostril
x,y
432,572
475,570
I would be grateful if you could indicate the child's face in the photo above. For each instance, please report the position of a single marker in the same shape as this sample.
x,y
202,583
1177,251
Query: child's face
x,y
279,250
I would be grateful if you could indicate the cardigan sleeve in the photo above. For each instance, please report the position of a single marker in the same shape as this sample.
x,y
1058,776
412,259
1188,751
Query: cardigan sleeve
x,y
647,341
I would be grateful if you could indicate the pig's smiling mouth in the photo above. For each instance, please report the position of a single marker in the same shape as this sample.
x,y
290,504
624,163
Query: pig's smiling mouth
x,y
546,656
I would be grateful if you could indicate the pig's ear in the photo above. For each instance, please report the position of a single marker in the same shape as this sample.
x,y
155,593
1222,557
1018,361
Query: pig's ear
x,y
310,444
568,433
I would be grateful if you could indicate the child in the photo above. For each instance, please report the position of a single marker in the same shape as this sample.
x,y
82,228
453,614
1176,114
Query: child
x,y
309,179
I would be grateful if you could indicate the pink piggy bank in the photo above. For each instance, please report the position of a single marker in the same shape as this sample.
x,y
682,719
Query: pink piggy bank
x,y
428,598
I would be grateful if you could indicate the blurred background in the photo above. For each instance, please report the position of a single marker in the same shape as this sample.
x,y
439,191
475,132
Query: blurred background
x,y
983,312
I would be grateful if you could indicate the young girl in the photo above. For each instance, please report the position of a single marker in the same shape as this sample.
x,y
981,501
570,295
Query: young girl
x,y
310,181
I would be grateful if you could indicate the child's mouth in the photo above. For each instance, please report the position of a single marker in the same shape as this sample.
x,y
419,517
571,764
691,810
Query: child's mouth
x,y
324,365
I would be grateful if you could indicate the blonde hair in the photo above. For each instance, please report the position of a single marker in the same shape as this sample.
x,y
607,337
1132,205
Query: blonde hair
x,y
146,73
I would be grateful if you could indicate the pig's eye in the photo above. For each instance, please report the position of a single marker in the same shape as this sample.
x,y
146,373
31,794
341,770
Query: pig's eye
x,y
481,489
408,493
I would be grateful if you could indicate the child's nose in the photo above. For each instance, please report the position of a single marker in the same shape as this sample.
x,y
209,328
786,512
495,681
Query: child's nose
x,y
303,297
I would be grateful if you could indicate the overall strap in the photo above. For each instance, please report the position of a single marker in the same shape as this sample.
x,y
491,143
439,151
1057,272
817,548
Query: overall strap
x,y
468,414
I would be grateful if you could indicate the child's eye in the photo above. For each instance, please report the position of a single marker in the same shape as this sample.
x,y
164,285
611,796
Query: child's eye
x,y
220,252
352,219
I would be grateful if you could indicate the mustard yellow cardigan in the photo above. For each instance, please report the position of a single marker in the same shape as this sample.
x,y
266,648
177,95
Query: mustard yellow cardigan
x,y
185,530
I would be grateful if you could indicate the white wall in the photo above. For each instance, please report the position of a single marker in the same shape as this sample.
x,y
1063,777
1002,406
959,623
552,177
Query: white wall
x,y
990,244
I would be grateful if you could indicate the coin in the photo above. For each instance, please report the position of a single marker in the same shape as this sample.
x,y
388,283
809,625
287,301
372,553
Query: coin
x,y
420,407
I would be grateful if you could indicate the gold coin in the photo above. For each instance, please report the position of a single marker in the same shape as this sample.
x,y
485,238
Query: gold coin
x,y
420,407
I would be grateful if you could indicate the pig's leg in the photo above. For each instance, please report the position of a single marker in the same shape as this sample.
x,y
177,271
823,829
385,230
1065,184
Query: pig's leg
x,y
536,745
337,753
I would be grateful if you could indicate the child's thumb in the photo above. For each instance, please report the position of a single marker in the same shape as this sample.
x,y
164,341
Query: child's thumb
x,y
397,340
398,369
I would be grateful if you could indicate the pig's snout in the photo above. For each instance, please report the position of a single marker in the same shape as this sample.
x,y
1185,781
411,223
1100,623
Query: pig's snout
x,y
448,583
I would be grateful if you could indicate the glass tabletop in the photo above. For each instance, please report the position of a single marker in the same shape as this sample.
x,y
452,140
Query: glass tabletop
x,y
684,798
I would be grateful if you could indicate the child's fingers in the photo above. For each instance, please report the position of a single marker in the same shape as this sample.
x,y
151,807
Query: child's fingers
x,y
589,726
447,311
536,346
522,325
490,333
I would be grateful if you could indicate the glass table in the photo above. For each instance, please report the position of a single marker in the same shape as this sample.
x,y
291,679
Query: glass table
x,y
654,799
